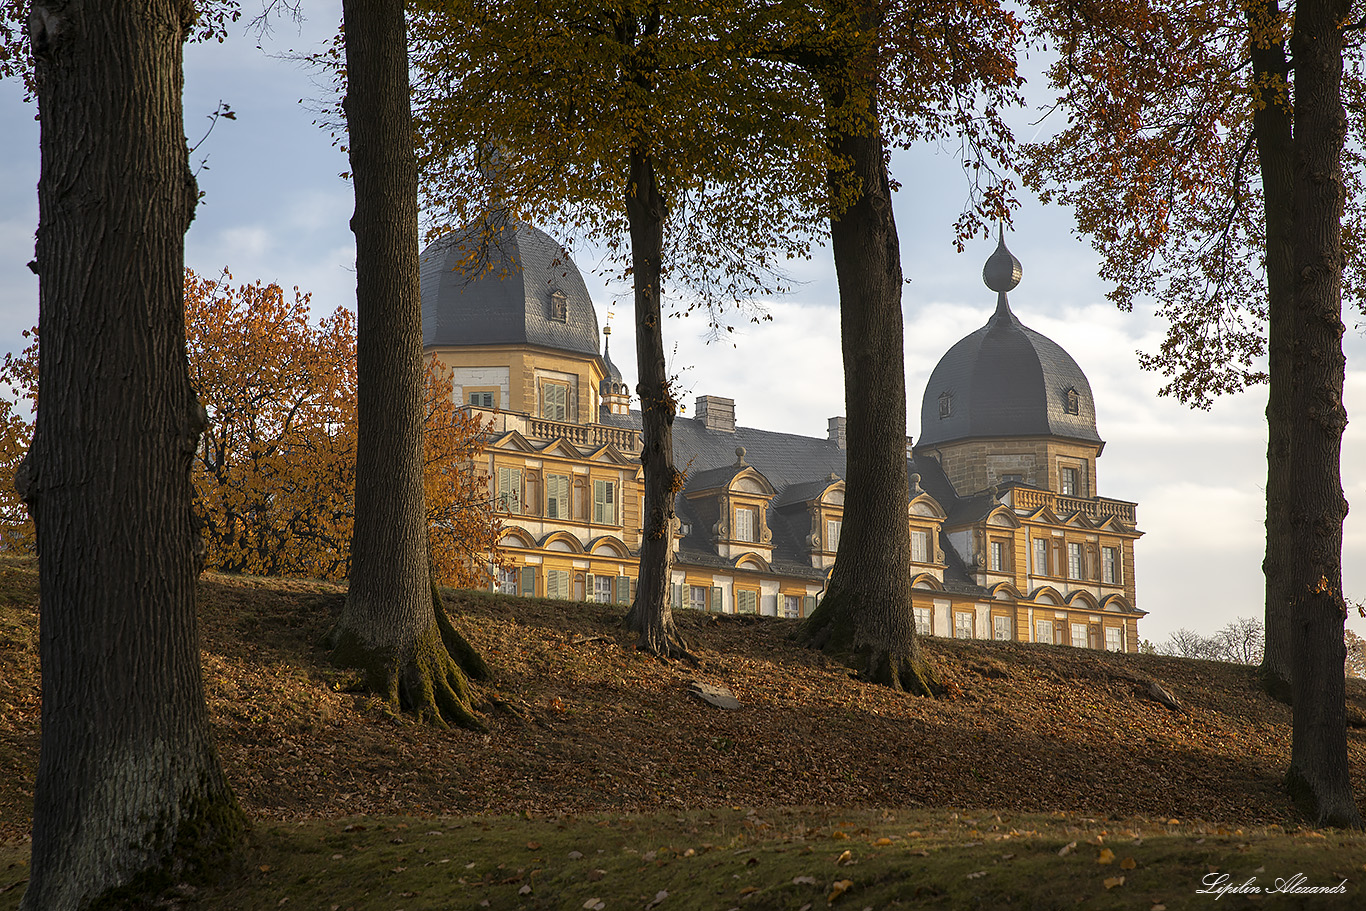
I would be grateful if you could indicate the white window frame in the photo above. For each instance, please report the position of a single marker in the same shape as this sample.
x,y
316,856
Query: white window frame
x,y
920,546
507,581
1041,557
962,624
792,607
1069,480
698,596
997,559
746,602
833,527
746,524
1114,639
604,589
924,621
1001,628
1075,561
1081,635
1109,561
1043,631
484,399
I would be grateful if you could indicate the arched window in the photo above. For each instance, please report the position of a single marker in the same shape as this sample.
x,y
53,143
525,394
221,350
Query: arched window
x,y
945,405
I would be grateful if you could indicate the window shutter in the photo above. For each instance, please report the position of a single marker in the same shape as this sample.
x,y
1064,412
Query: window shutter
x,y
676,596
528,581
715,599
808,605
623,589
589,591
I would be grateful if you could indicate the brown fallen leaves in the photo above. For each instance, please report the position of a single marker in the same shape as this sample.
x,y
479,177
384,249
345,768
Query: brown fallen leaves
x,y
599,726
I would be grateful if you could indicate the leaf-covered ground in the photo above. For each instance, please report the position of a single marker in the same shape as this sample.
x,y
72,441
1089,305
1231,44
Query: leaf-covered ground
x,y
581,723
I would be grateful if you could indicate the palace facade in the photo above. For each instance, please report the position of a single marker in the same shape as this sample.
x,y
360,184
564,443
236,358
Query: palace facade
x,y
1009,535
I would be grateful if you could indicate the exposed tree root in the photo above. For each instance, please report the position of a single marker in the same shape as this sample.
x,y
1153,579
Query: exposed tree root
x,y
428,679
890,660
658,635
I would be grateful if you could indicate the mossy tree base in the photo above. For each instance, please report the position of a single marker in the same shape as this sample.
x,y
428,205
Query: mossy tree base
x,y
835,629
429,679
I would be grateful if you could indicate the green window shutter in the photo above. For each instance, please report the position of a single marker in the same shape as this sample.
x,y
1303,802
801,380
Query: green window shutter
x,y
623,589
528,581
676,596
715,599
808,605
588,589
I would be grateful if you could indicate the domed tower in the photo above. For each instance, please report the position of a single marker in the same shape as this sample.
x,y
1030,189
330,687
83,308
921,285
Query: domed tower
x,y
616,398
1007,404
505,308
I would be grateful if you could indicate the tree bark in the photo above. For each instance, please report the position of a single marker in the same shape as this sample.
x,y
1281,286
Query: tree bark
x,y
1315,366
130,796
651,615
389,627
1272,128
865,618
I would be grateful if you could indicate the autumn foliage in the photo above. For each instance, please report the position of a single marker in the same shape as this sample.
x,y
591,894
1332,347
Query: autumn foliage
x,y
275,470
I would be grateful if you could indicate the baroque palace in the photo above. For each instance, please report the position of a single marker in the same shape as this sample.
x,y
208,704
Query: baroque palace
x,y
1008,534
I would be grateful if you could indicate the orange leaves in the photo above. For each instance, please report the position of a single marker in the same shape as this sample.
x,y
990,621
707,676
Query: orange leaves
x,y
275,471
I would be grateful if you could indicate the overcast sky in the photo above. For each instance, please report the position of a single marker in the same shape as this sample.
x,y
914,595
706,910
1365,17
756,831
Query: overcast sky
x,y
275,209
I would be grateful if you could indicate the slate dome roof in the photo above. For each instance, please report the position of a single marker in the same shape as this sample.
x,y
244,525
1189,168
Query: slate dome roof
x,y
613,383
1005,379
530,294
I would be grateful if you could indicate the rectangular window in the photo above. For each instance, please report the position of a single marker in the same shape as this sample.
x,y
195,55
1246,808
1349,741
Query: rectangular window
x,y
481,399
832,534
962,625
920,547
923,621
746,602
510,489
557,584
1110,564
1114,639
1079,635
557,496
697,597
716,599
1067,478
745,522
792,607
554,402
602,589
507,581
1043,631
1074,561
604,503
1040,556
998,556
528,581
623,590
1001,628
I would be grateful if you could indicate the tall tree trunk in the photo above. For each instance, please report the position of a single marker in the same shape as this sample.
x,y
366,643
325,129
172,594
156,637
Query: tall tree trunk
x,y
389,625
1318,776
865,617
651,616
1272,127
130,796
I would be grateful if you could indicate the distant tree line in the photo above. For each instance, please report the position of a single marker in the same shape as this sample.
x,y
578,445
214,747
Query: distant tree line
x,y
1243,641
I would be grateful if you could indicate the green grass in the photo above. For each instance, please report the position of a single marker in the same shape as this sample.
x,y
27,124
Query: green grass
x,y
756,859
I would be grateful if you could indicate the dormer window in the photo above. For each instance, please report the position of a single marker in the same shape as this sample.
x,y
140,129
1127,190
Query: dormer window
x,y
945,405
559,306
1072,400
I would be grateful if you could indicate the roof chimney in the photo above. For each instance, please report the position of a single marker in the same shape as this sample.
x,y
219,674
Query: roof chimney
x,y
836,432
716,413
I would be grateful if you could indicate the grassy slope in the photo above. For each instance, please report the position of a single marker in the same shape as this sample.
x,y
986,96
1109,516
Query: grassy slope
x,y
1062,744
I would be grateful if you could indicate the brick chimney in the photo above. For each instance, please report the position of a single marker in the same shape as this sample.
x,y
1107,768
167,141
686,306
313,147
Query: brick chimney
x,y
716,413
